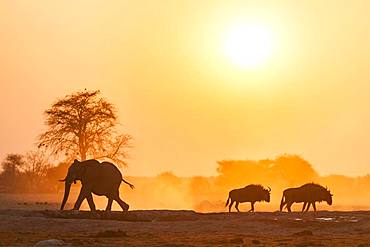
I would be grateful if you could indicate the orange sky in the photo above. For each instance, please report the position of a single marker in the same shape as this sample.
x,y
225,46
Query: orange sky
x,y
185,103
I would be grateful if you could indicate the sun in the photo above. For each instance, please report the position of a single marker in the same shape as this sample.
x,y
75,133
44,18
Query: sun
x,y
248,46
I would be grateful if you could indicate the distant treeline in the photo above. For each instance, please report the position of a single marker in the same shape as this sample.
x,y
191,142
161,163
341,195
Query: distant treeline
x,y
32,173
207,194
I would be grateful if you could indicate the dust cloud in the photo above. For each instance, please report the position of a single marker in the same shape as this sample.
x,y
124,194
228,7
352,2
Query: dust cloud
x,y
209,194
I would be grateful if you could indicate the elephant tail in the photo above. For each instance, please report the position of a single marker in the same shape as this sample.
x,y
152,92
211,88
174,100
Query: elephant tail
x,y
131,185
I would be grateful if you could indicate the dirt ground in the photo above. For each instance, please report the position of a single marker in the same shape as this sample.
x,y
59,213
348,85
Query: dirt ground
x,y
184,228
27,219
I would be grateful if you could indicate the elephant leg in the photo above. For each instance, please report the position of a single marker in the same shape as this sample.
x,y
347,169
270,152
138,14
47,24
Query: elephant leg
x,y
122,204
231,203
288,206
237,206
314,206
90,200
304,206
83,193
109,204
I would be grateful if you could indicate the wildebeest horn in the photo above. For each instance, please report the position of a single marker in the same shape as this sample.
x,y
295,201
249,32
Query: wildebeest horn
x,y
269,189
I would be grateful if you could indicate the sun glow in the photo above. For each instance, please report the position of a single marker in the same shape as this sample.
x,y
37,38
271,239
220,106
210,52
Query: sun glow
x,y
248,46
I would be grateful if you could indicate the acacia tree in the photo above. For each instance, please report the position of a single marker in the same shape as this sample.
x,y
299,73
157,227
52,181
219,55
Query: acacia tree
x,y
83,124
36,164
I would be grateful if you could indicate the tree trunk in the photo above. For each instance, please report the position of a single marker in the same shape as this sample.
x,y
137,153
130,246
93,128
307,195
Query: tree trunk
x,y
83,155
82,148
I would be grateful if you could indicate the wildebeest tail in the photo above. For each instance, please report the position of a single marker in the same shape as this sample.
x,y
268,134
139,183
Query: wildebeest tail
x,y
228,201
282,201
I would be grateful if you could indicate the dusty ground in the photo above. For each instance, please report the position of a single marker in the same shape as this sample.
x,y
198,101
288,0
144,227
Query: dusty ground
x,y
185,228
27,219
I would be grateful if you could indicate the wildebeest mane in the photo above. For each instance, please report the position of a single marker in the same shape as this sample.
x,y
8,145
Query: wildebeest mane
x,y
318,188
257,187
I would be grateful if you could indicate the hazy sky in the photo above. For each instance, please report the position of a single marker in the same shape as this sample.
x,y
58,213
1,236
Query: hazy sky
x,y
163,64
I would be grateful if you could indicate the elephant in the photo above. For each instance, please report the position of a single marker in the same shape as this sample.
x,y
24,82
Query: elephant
x,y
100,178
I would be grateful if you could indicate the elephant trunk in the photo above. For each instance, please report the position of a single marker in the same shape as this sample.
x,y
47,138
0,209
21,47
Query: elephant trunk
x,y
67,188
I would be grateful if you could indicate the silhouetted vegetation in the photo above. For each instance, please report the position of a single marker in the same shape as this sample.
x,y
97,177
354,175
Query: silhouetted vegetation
x,y
24,173
200,193
207,194
285,170
83,125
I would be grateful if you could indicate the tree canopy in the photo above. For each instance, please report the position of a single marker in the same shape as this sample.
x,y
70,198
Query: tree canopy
x,y
289,170
13,164
83,124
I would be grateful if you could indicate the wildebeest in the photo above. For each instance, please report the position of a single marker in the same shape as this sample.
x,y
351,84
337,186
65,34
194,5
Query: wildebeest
x,y
250,193
309,194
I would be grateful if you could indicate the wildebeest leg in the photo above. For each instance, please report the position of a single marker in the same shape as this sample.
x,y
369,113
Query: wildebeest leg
x,y
231,203
252,207
314,206
123,205
109,204
90,201
236,206
304,206
282,205
83,193
288,206
308,206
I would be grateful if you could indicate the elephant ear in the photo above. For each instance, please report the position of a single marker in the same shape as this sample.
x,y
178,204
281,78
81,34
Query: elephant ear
x,y
81,170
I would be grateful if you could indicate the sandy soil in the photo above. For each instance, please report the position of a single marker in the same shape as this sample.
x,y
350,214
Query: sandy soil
x,y
28,219
184,228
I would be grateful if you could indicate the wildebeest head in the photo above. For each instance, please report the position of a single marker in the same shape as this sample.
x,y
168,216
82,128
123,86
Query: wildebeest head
x,y
267,194
328,197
